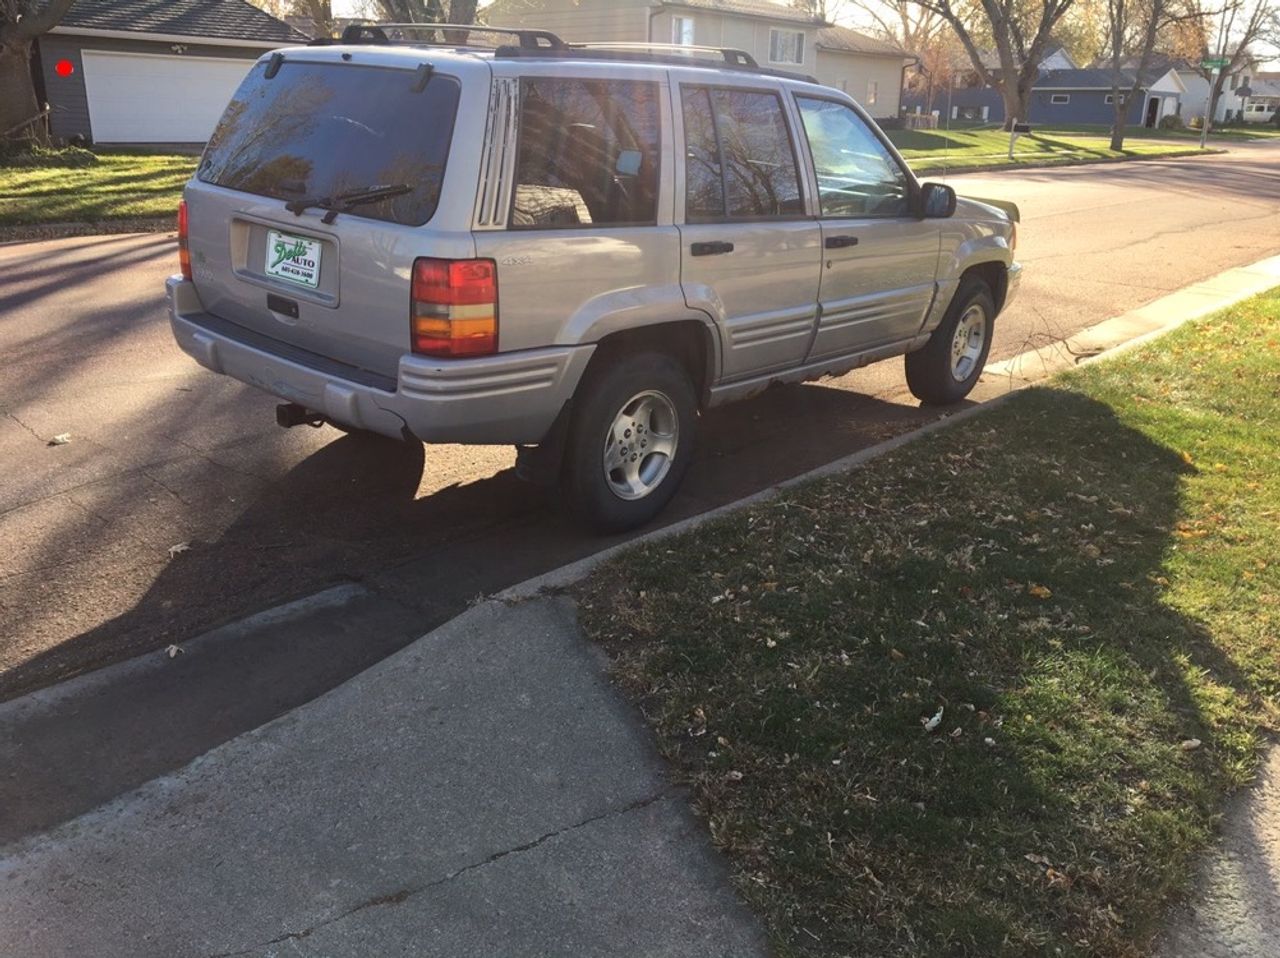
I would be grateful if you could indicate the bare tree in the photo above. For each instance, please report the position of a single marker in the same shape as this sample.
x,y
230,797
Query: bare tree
x,y
427,11
1228,34
319,12
1133,29
921,33
21,23
1020,31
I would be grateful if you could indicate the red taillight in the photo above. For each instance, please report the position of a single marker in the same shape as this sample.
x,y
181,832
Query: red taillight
x,y
184,254
454,307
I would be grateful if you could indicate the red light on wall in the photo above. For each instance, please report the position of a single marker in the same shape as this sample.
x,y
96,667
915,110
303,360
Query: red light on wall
x,y
64,68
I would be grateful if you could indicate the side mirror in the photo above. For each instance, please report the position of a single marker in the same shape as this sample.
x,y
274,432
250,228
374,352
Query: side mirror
x,y
937,201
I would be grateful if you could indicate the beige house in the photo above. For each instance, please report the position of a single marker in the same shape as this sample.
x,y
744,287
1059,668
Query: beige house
x,y
777,35
867,69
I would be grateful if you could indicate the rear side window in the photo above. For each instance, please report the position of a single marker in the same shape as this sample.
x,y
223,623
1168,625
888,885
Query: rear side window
x,y
588,153
740,162
325,130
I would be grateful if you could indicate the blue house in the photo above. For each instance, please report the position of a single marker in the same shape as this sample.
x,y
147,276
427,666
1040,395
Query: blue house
x,y
1061,96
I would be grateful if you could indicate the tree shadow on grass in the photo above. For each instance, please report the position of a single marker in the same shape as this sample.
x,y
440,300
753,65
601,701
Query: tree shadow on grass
x,y
1009,575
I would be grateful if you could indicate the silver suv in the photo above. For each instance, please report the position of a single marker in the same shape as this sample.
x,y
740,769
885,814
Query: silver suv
x,y
571,248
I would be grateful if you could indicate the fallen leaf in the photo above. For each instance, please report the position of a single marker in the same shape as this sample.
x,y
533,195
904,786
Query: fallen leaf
x,y
1039,591
61,439
1037,859
174,650
896,655
1190,745
932,723
180,547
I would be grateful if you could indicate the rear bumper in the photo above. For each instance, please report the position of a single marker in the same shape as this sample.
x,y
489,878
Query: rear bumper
x,y
510,398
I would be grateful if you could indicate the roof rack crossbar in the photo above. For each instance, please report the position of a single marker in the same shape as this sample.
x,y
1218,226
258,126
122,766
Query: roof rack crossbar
x,y
381,34
731,55
641,54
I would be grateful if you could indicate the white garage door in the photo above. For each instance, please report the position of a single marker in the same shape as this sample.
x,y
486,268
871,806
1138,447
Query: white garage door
x,y
145,98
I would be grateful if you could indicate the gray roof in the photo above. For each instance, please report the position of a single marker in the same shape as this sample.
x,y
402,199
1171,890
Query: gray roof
x,y
750,8
223,19
844,40
1089,79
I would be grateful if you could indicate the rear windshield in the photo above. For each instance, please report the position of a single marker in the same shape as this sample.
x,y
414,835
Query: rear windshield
x,y
324,130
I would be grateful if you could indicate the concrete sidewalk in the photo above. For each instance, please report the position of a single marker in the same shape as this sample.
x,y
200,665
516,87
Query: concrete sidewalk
x,y
483,792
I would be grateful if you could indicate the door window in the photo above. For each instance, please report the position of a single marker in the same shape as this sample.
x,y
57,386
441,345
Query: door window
x,y
588,153
857,176
740,162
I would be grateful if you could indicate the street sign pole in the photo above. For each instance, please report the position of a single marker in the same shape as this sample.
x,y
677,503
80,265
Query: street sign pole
x,y
1214,67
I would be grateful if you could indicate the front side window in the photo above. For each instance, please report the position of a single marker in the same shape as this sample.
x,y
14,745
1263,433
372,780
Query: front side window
x,y
857,176
588,153
739,161
786,46
682,31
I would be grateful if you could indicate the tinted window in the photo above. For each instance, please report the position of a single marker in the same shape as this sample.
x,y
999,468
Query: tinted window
x,y
739,137
588,153
857,176
326,129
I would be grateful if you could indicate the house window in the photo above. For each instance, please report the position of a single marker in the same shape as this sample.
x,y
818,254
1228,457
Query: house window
x,y
786,46
1110,98
682,31
1060,98
873,92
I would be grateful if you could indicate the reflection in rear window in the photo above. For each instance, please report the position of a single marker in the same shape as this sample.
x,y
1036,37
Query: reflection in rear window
x,y
320,130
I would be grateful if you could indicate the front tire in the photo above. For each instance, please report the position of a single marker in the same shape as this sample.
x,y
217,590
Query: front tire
x,y
630,441
949,365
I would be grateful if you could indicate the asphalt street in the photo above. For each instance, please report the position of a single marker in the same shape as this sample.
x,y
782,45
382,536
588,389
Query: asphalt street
x,y
179,505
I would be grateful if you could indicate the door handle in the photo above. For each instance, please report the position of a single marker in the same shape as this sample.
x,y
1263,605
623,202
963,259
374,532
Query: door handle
x,y
840,242
712,248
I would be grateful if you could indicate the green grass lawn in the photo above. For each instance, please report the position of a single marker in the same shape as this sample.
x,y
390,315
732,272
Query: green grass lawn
x,y
119,186
1078,585
957,149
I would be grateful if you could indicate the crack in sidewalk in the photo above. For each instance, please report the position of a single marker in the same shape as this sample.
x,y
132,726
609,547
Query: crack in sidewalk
x,y
404,894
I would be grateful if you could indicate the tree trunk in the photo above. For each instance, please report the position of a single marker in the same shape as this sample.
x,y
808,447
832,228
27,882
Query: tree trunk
x,y
19,100
1013,105
1118,124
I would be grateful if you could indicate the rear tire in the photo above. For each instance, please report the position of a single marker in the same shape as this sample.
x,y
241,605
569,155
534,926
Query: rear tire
x,y
630,441
949,365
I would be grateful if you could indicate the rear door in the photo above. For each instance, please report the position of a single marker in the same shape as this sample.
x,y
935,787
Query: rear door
x,y
281,243
879,261
750,255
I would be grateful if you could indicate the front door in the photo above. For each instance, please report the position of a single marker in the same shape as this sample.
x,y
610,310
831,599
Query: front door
x,y
879,261
1153,111
749,256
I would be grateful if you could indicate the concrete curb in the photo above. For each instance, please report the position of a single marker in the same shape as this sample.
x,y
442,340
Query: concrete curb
x,y
86,683
38,232
946,171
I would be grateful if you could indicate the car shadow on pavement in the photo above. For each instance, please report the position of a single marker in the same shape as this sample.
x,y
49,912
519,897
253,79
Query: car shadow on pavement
x,y
352,511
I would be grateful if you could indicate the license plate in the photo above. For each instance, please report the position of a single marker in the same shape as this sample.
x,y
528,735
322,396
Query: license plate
x,y
294,258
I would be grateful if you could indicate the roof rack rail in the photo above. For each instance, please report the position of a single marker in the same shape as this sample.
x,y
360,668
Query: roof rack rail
x,y
381,34
731,55
727,58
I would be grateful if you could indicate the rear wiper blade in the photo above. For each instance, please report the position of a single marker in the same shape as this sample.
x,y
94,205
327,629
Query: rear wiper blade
x,y
346,201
